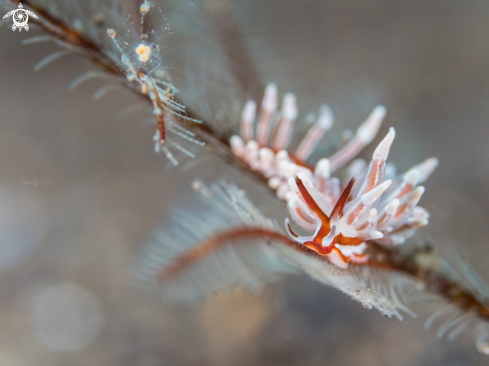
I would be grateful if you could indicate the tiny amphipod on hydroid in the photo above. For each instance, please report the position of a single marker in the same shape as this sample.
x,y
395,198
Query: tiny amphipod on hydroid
x,y
140,59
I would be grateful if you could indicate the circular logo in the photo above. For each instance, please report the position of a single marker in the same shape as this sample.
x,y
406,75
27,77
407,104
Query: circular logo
x,y
20,18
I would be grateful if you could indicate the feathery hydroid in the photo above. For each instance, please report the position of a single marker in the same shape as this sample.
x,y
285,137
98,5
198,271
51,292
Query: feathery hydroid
x,y
128,51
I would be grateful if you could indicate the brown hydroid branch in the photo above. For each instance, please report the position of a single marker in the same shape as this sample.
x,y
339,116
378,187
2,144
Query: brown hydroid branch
x,y
381,258
197,253
432,278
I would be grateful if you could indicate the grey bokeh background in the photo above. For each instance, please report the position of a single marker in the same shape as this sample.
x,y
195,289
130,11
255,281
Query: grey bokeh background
x,y
101,190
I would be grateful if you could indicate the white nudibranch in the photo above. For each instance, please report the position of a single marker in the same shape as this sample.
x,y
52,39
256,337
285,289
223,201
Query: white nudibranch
x,y
371,204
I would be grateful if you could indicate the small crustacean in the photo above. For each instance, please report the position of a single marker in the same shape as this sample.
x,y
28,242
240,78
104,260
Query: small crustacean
x,y
371,204
140,62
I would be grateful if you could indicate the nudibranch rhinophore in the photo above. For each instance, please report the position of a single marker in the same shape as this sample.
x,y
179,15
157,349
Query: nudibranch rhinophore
x,y
371,204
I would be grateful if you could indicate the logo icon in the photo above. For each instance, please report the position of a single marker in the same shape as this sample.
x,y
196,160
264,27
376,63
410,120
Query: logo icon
x,y
20,16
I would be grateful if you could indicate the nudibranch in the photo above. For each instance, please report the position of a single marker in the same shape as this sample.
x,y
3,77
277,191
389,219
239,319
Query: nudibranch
x,y
370,204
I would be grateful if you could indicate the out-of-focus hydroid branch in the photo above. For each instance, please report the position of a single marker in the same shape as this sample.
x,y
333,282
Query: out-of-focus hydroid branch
x,y
199,252
429,278
229,243
427,266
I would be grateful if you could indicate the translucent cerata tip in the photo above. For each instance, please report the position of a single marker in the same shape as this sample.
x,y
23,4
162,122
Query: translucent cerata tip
x,y
289,106
382,150
269,102
325,119
367,131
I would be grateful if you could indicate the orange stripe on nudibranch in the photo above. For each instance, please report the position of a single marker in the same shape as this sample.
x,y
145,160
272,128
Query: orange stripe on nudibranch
x,y
344,240
317,243
340,205
318,248
294,235
311,203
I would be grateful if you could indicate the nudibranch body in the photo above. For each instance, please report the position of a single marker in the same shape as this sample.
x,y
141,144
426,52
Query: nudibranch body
x,y
371,204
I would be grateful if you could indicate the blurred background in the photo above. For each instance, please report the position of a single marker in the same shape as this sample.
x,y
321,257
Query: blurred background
x,y
81,189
